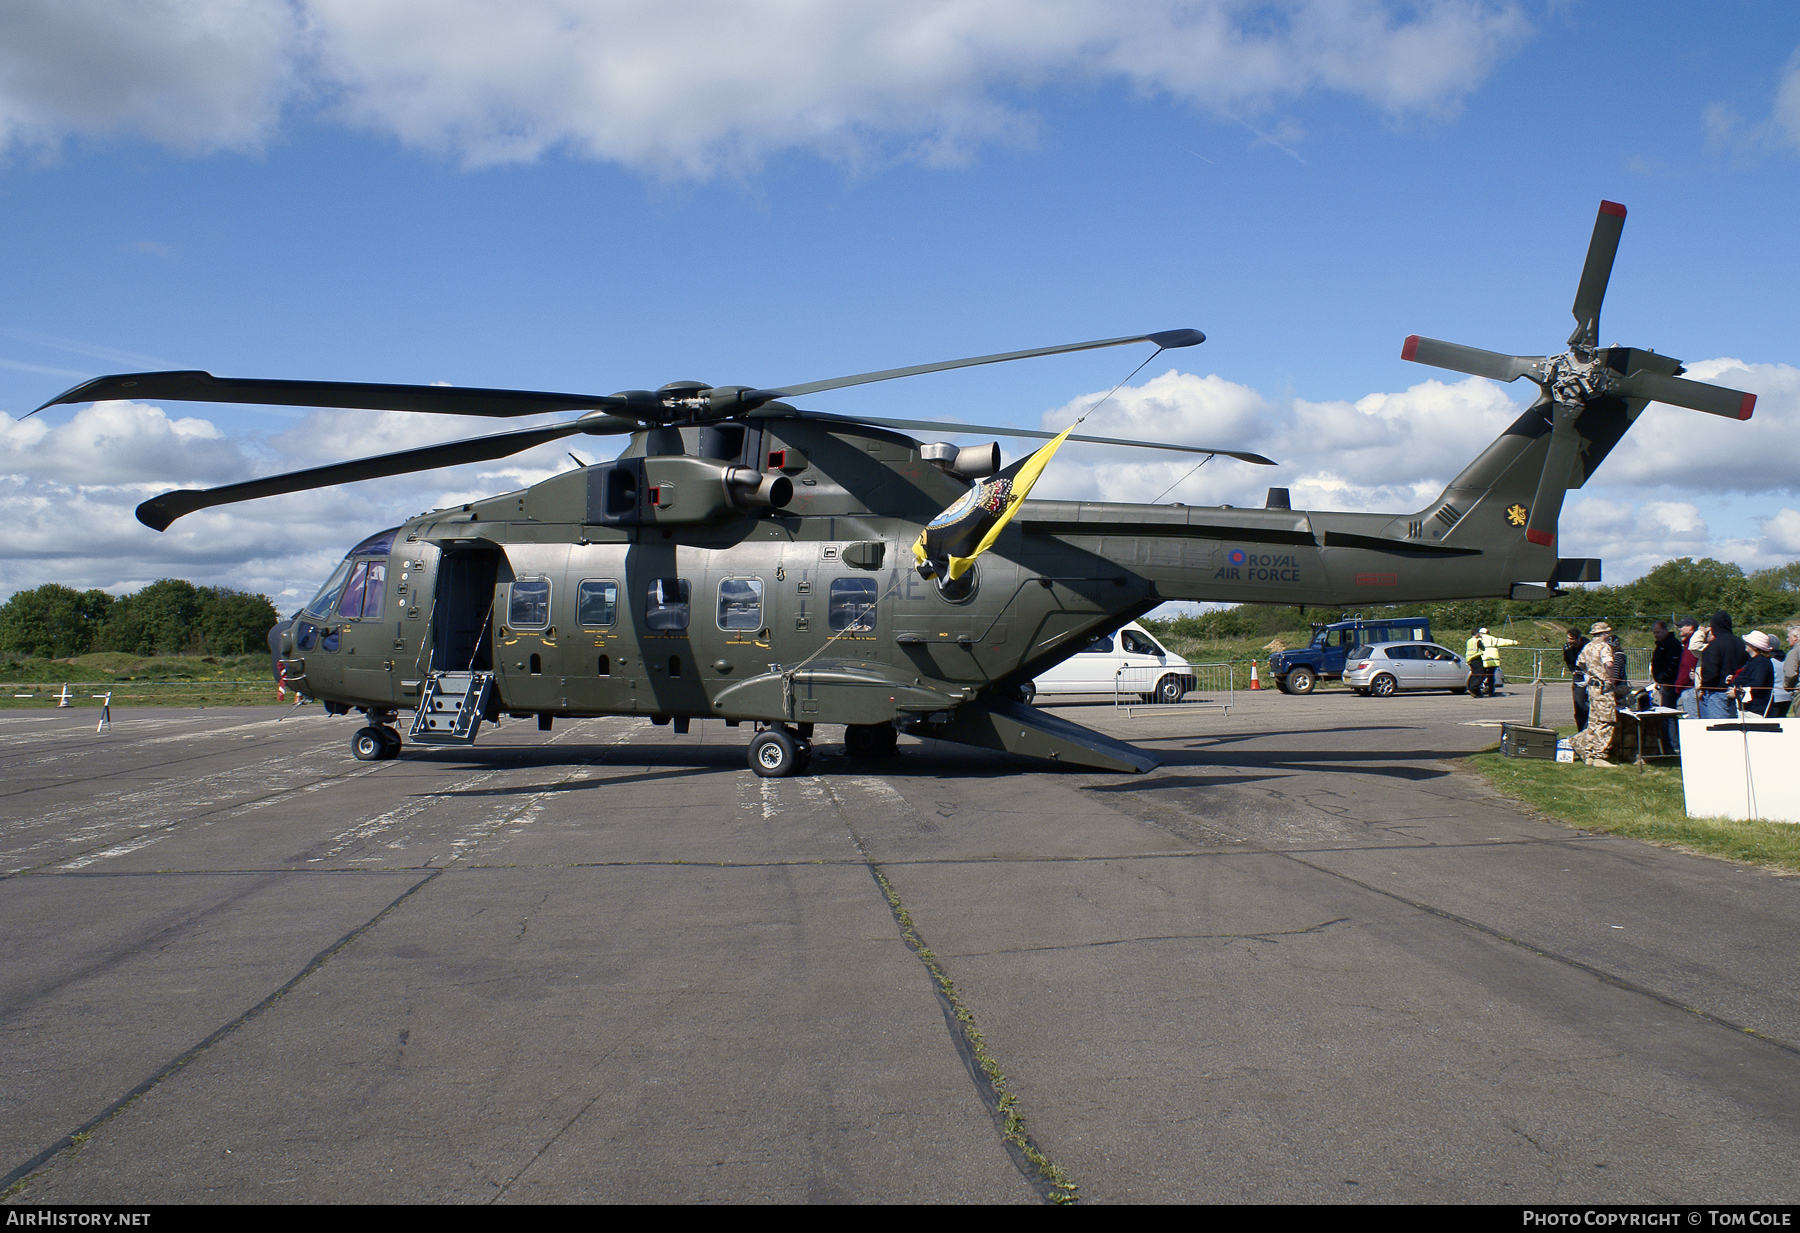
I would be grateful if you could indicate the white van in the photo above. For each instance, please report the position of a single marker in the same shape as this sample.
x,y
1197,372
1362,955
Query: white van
x,y
1130,661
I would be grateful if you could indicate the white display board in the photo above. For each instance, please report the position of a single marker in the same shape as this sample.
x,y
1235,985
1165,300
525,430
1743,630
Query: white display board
x,y
1747,768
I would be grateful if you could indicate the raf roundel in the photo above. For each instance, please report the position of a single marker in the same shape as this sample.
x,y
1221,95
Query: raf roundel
x,y
1237,556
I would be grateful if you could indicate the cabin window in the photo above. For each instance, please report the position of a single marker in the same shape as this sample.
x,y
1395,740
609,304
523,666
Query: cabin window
x,y
852,605
530,606
667,611
597,603
741,603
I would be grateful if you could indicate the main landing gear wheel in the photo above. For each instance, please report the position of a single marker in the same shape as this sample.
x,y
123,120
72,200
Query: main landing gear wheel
x,y
1301,681
1383,686
870,740
776,752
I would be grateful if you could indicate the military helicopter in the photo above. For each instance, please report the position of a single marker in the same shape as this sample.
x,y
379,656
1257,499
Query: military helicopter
x,y
746,560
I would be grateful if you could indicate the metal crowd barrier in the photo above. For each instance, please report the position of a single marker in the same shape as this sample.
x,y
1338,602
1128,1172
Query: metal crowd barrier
x,y
1202,685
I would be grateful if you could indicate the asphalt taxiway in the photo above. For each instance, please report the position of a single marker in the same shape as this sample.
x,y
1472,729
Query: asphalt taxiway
x,y
1306,959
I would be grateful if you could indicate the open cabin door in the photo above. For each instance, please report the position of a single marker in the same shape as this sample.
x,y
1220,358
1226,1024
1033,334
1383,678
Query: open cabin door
x,y
462,617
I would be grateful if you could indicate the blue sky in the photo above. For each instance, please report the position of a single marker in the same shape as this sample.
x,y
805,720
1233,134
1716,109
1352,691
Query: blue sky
x,y
594,196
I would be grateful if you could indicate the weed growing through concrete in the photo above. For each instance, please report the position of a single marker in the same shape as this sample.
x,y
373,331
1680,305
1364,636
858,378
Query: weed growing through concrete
x,y
1061,1189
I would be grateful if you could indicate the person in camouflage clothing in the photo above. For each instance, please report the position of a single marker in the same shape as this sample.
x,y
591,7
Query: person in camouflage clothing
x,y
1594,744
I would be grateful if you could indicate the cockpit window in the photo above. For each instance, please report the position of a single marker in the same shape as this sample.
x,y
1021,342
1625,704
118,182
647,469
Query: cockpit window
x,y
323,603
376,545
363,595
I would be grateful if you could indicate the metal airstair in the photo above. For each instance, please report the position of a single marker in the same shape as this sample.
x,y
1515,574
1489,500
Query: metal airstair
x,y
450,708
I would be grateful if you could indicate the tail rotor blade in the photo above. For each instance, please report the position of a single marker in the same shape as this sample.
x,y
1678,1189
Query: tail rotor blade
x,y
1559,468
1459,358
1679,392
1596,273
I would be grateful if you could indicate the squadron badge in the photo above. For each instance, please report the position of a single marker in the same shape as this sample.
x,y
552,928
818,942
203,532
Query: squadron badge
x,y
1516,514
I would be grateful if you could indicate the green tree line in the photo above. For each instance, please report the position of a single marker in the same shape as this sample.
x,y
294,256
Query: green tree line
x,y
1683,587
170,617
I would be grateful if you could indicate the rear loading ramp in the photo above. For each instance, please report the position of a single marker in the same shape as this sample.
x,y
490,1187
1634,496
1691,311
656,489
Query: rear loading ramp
x,y
1014,727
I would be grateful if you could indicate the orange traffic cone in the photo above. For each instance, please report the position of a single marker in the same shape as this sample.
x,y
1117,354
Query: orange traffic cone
x,y
1254,683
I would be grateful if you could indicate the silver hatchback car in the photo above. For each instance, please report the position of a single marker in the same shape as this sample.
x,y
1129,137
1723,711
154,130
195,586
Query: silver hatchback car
x,y
1388,667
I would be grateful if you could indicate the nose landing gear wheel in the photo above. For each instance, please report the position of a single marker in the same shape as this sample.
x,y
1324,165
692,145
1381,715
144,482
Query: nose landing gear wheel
x,y
368,745
390,741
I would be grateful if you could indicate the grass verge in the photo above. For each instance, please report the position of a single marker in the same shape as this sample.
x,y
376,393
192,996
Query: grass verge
x,y
1641,804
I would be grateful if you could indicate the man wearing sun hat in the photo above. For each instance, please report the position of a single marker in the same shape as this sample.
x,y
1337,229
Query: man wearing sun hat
x,y
1594,743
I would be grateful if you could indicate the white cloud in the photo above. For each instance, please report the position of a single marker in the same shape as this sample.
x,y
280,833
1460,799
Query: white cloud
x,y
1384,451
120,443
1727,130
196,75
704,86
1675,447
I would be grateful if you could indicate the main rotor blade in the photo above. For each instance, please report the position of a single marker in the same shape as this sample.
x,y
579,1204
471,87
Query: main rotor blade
x,y
1459,358
362,396
1166,339
1596,273
1679,392
158,512
940,426
1559,468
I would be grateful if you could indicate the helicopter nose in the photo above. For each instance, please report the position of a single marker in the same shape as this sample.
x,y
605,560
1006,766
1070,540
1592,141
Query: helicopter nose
x,y
279,640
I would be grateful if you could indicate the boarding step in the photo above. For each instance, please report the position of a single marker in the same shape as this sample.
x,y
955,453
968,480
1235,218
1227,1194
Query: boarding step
x,y
450,708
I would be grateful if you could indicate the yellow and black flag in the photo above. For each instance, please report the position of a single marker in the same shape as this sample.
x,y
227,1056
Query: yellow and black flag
x,y
949,544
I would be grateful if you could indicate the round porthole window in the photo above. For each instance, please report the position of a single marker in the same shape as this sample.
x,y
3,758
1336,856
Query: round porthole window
x,y
959,590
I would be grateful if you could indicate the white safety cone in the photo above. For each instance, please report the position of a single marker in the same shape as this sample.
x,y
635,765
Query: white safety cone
x,y
1254,683
65,698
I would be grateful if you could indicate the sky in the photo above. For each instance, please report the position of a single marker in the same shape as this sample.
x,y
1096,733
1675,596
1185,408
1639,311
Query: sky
x,y
593,195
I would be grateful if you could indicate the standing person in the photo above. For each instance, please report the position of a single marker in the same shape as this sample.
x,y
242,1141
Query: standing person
x,y
1594,743
1723,656
1475,651
1787,677
1665,668
1755,681
1490,657
1696,647
1571,657
1684,679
